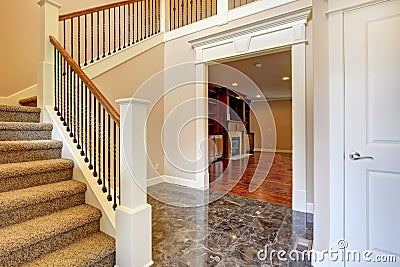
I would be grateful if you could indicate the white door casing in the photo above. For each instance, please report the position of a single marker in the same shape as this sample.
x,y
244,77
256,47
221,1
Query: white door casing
x,y
262,38
372,128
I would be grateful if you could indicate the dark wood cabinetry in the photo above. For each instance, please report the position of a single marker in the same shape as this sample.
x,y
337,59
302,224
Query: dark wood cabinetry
x,y
225,109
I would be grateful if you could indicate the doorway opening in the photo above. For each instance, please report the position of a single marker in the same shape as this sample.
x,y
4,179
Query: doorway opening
x,y
248,140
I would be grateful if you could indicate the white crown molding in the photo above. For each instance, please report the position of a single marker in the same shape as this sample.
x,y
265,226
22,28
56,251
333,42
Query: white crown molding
x,y
289,19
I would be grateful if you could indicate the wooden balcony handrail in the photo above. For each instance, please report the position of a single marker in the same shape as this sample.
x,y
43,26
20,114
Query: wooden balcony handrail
x,y
88,82
95,9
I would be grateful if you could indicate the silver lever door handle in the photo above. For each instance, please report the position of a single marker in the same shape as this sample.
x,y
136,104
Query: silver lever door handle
x,y
356,156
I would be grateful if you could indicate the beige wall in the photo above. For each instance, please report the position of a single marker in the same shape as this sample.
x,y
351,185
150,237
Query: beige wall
x,y
131,79
282,112
19,47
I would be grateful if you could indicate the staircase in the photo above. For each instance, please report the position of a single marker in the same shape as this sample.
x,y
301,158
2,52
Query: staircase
x,y
44,220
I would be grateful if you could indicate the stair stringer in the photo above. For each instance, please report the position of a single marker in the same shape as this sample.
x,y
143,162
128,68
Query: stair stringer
x,y
94,195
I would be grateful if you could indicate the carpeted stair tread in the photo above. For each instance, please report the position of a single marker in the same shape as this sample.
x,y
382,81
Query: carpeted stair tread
x,y
14,131
25,126
43,193
19,109
28,101
6,146
33,167
19,113
88,251
27,233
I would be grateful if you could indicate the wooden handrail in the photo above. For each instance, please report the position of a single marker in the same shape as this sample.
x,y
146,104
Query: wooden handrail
x,y
95,9
90,85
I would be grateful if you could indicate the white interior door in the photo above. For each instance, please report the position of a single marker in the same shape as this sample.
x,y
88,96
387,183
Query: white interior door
x,y
372,129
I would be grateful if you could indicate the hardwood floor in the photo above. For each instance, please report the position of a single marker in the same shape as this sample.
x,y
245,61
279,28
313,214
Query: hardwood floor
x,y
235,176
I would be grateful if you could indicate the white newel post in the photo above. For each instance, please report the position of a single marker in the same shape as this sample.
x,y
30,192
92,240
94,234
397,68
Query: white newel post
x,y
45,75
133,216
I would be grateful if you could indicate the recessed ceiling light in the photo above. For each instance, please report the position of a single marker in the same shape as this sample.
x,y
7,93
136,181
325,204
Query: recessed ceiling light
x,y
258,65
235,84
258,96
285,78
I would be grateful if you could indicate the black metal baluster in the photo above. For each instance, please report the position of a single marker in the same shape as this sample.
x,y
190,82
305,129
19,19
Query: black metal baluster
x,y
211,7
71,105
196,9
191,11
153,16
170,14
115,165
145,19
187,12
124,26
201,9
72,37
174,15
183,10
59,74
129,24
73,96
86,124
86,53
99,136
67,100
104,33
109,197
98,35
109,32
94,136
91,39
141,20
82,119
55,79
104,189
79,41
205,8
90,131
137,21
119,28
115,31
63,95
78,113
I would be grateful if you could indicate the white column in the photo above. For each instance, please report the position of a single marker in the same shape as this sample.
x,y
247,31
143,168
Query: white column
x,y
45,75
133,216
202,176
299,128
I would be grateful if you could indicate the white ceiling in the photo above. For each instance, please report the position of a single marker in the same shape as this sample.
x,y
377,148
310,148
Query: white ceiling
x,y
251,79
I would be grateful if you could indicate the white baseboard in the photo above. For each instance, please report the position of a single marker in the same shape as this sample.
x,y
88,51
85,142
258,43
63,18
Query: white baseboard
x,y
14,98
174,180
272,150
155,181
310,207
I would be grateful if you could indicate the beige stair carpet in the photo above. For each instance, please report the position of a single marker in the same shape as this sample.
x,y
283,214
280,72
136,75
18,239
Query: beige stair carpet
x,y
44,220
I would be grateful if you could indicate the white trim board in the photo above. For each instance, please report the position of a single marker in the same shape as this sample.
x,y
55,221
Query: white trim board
x,y
272,150
14,98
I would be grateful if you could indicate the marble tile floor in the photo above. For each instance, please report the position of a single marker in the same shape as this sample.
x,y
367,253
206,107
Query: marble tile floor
x,y
228,231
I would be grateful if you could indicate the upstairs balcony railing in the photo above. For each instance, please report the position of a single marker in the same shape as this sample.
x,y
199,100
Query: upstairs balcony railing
x,y
185,12
95,33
